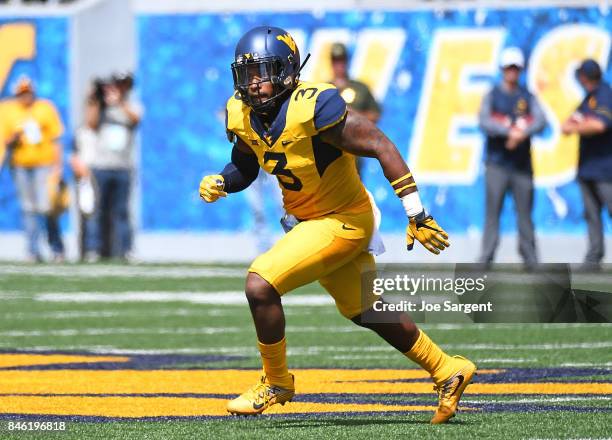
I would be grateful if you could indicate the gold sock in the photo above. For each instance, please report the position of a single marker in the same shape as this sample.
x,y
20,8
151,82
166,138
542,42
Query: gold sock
x,y
431,358
274,357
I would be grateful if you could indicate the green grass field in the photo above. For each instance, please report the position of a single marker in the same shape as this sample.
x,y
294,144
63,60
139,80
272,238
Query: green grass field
x,y
153,351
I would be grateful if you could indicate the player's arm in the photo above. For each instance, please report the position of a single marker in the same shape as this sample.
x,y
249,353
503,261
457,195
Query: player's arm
x,y
236,176
357,135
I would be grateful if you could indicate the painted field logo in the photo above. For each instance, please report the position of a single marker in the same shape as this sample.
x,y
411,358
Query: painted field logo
x,y
145,386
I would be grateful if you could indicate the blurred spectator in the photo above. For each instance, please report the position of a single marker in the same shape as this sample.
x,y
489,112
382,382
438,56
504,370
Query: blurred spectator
x,y
592,121
356,94
509,116
32,128
81,160
114,118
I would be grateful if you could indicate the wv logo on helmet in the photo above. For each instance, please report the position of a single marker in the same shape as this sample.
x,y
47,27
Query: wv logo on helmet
x,y
288,41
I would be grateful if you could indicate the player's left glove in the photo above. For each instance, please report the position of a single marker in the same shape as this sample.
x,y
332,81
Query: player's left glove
x,y
424,228
211,188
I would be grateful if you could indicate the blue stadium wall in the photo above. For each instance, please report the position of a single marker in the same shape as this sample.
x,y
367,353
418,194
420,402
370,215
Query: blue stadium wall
x,y
185,80
424,68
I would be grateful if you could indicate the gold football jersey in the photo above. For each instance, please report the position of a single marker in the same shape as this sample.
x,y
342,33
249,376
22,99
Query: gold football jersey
x,y
316,178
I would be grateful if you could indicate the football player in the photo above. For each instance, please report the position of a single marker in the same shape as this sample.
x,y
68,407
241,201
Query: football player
x,y
302,133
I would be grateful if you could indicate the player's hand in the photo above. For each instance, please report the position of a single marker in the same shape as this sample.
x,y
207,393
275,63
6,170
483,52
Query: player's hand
x,y
425,229
211,188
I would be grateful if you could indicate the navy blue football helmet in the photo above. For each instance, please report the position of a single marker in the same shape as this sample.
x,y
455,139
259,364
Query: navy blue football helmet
x,y
271,54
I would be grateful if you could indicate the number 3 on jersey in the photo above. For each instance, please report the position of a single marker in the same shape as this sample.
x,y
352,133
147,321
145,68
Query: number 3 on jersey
x,y
280,170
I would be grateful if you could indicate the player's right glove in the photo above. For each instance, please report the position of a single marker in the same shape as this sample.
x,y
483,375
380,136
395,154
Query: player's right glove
x,y
424,228
211,188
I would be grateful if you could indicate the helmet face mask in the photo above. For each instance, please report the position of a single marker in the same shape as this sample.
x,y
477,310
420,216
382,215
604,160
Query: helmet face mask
x,y
251,76
265,68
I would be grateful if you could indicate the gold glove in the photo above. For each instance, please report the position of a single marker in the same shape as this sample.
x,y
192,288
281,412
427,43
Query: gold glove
x,y
425,229
211,188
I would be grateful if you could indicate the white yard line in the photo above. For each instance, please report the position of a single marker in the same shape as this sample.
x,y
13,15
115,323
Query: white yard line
x,y
166,331
230,310
562,346
325,329
504,361
139,313
292,350
384,355
500,326
586,364
96,271
14,295
109,349
230,297
121,331
346,357
153,312
191,272
540,400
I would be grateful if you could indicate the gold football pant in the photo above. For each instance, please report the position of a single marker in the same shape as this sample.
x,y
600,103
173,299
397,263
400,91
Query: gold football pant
x,y
331,249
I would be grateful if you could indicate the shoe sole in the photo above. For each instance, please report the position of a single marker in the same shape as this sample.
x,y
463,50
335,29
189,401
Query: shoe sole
x,y
237,413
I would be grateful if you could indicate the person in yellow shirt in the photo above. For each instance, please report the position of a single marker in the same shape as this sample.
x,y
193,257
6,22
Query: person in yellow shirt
x,y
301,133
32,128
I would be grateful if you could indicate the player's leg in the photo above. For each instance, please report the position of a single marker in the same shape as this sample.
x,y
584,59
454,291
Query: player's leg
x,y
276,384
266,309
496,182
450,374
311,250
269,319
397,328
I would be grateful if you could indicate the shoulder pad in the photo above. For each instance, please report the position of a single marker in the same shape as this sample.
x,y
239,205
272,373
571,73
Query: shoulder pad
x,y
234,114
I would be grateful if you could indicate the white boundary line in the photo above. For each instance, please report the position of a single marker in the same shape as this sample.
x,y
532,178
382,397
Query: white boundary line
x,y
540,400
166,331
135,271
232,297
